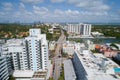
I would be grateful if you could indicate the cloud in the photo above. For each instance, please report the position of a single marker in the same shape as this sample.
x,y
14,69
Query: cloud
x,y
69,11
22,6
22,14
2,13
44,14
57,1
90,13
32,1
7,6
76,13
65,14
72,12
94,5
40,10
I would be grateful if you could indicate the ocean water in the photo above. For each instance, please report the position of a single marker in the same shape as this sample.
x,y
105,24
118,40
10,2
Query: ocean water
x,y
110,40
102,40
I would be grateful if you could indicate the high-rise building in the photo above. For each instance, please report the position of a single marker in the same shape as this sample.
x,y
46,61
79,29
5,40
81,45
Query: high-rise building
x,y
6,66
17,49
4,74
30,53
81,29
37,47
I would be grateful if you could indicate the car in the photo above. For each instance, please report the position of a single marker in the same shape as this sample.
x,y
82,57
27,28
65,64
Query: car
x,y
59,56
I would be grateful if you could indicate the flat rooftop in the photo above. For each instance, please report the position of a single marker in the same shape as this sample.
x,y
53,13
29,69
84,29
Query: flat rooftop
x,y
15,42
69,70
30,74
25,73
40,74
98,67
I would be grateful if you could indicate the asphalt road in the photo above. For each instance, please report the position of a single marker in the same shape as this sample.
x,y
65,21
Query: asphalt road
x,y
57,59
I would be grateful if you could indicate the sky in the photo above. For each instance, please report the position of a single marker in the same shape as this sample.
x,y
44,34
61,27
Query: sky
x,y
91,11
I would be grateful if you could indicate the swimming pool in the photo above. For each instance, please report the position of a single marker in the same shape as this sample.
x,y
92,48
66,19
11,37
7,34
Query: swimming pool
x,y
117,70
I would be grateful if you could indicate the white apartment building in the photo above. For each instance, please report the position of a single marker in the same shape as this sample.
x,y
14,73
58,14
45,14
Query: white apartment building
x,y
4,74
68,47
37,48
6,66
17,48
93,67
90,45
81,29
30,53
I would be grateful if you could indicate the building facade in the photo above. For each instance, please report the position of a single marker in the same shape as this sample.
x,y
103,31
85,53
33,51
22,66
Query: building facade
x,y
93,67
68,47
6,66
17,49
81,29
37,47
4,74
30,53
69,72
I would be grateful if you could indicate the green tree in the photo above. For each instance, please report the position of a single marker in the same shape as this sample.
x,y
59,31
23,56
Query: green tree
x,y
51,78
114,46
11,78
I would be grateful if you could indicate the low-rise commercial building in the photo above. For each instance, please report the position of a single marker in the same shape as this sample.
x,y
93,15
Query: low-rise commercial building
x,y
69,72
97,34
68,47
51,30
90,45
94,67
52,45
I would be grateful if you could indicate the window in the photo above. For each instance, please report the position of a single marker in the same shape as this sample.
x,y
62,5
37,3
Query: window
x,y
44,51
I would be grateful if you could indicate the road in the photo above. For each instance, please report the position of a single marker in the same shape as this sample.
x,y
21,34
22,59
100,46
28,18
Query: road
x,y
58,60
